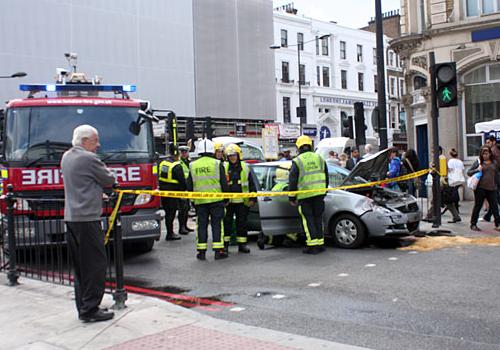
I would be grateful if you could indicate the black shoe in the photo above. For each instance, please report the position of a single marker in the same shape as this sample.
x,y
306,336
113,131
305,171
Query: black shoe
x,y
487,219
183,231
201,255
220,254
320,249
242,248
309,250
474,228
173,237
97,316
454,220
261,244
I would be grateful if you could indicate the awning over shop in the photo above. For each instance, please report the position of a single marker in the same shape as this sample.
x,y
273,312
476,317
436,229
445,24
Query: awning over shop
x,y
492,125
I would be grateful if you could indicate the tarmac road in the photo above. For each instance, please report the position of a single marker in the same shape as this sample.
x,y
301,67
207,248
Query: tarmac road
x,y
376,297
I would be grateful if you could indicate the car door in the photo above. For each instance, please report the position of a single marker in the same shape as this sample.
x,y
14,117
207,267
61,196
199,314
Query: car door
x,y
277,216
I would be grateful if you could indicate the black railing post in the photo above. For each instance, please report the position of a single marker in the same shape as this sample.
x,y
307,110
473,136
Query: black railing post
x,y
12,275
120,294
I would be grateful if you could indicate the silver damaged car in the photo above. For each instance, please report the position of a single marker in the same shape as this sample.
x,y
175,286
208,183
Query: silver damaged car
x,y
351,216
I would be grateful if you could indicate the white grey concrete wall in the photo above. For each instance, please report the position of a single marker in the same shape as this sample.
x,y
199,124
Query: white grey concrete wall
x,y
144,42
233,62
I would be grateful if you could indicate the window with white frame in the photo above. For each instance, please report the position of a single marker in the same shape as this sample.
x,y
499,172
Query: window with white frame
x,y
326,76
324,46
393,117
374,56
317,45
482,103
375,83
286,110
300,41
359,51
390,59
361,82
392,86
285,75
318,76
401,87
343,54
481,7
343,79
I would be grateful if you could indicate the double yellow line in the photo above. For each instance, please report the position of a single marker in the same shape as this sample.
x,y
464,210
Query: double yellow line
x,y
231,195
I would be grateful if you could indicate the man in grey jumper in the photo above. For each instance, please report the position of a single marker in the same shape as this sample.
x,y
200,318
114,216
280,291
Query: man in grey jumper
x,y
85,176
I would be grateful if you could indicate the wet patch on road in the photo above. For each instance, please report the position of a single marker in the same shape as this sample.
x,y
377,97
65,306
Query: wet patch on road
x,y
426,244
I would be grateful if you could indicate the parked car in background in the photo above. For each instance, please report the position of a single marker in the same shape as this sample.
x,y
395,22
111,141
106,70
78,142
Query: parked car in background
x,y
351,216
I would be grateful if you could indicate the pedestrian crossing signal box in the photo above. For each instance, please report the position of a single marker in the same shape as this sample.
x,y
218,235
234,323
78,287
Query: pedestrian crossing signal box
x,y
446,88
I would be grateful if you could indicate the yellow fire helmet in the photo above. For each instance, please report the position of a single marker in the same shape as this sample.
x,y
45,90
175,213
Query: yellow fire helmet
x,y
303,140
234,149
282,175
219,146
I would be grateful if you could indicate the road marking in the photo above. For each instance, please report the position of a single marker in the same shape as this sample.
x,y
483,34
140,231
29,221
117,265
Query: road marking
x,y
237,309
393,259
370,265
394,300
412,252
314,284
343,274
278,296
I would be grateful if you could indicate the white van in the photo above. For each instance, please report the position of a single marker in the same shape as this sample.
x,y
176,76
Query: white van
x,y
252,153
342,145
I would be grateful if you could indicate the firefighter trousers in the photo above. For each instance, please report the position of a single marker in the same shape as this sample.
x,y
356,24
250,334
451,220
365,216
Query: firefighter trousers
x,y
183,213
88,254
213,212
311,213
241,212
170,205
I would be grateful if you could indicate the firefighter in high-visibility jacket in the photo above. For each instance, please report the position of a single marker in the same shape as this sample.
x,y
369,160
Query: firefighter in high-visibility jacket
x,y
207,174
171,178
239,180
183,202
309,172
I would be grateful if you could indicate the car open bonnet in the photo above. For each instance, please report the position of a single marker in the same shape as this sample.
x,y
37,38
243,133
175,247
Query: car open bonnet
x,y
372,168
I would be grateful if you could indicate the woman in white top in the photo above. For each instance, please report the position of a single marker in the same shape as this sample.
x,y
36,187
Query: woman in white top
x,y
456,170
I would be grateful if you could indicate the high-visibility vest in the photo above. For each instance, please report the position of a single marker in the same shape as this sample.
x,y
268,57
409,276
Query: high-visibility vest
x,y
205,173
185,168
243,181
311,174
166,171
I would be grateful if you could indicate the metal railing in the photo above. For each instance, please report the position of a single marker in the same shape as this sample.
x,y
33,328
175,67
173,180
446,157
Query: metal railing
x,y
33,243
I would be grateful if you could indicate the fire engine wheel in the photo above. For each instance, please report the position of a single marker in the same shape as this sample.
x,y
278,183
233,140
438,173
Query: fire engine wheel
x,y
348,231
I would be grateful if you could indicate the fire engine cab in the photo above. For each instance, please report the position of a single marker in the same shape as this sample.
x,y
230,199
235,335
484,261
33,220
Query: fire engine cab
x,y
37,130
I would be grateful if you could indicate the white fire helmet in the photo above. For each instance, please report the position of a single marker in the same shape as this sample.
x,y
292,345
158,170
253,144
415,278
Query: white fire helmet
x,y
206,146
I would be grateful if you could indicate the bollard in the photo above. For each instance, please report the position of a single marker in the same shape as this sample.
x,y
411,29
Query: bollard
x,y
120,294
12,275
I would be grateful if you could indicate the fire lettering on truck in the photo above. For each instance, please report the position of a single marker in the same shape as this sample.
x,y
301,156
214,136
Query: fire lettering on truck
x,y
41,176
129,174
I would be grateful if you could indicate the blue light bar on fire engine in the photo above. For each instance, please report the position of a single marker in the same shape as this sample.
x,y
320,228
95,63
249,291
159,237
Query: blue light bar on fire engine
x,y
76,87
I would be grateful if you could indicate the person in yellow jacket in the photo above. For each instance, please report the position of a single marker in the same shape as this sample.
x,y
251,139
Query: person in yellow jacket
x,y
171,179
239,180
309,172
207,174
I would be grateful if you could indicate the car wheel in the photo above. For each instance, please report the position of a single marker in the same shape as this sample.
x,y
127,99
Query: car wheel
x,y
348,231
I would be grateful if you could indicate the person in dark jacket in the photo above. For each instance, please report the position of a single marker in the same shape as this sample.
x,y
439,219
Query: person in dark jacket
x,y
85,176
171,179
184,203
309,172
486,188
495,151
240,181
355,158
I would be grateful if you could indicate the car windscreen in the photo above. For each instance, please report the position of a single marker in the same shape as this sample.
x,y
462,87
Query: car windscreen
x,y
337,176
45,133
251,153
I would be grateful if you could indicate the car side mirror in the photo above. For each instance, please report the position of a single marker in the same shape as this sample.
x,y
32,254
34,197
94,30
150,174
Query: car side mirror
x,y
135,128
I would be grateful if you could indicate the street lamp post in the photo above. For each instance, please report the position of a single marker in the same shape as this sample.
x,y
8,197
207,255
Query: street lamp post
x,y
301,110
15,75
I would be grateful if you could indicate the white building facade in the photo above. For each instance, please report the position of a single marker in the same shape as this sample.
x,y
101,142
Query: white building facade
x,y
335,72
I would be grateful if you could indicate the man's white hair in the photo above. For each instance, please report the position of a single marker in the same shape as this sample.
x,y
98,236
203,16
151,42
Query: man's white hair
x,y
368,148
83,132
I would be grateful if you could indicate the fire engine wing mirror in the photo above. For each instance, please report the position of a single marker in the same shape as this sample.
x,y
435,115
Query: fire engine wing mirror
x,y
135,126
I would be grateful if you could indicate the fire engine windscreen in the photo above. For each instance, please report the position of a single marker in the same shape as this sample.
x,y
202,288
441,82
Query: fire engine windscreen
x,y
43,134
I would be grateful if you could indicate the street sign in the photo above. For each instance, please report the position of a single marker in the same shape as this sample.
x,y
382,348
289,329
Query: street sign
x,y
289,131
241,129
310,130
324,132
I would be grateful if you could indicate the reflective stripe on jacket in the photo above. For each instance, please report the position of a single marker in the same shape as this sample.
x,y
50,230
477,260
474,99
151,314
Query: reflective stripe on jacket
x,y
166,168
185,169
205,173
243,181
311,174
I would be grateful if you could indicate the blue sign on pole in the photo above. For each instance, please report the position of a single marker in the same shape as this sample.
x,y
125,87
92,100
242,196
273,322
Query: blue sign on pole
x,y
324,132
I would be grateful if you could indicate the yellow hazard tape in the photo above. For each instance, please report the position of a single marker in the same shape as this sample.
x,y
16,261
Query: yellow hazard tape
x,y
230,195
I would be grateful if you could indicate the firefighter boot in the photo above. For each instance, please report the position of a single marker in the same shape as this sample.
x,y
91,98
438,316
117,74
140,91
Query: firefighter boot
x,y
243,248
201,255
220,254
226,247
309,250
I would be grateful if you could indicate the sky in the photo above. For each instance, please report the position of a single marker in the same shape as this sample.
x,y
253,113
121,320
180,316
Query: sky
x,y
348,13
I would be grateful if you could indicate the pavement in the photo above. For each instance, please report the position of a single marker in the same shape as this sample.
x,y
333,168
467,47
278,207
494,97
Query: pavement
x,y
42,316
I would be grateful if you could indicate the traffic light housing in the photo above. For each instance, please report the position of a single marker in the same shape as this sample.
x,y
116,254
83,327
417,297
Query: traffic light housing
x,y
446,87
209,129
190,129
346,129
302,114
359,122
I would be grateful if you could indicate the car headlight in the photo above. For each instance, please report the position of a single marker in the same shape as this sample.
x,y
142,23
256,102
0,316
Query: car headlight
x,y
143,198
370,205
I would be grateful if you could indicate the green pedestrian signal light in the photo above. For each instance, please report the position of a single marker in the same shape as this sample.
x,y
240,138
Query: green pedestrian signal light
x,y
446,75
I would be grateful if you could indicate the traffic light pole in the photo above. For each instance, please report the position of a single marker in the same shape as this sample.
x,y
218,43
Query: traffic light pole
x,y
381,76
